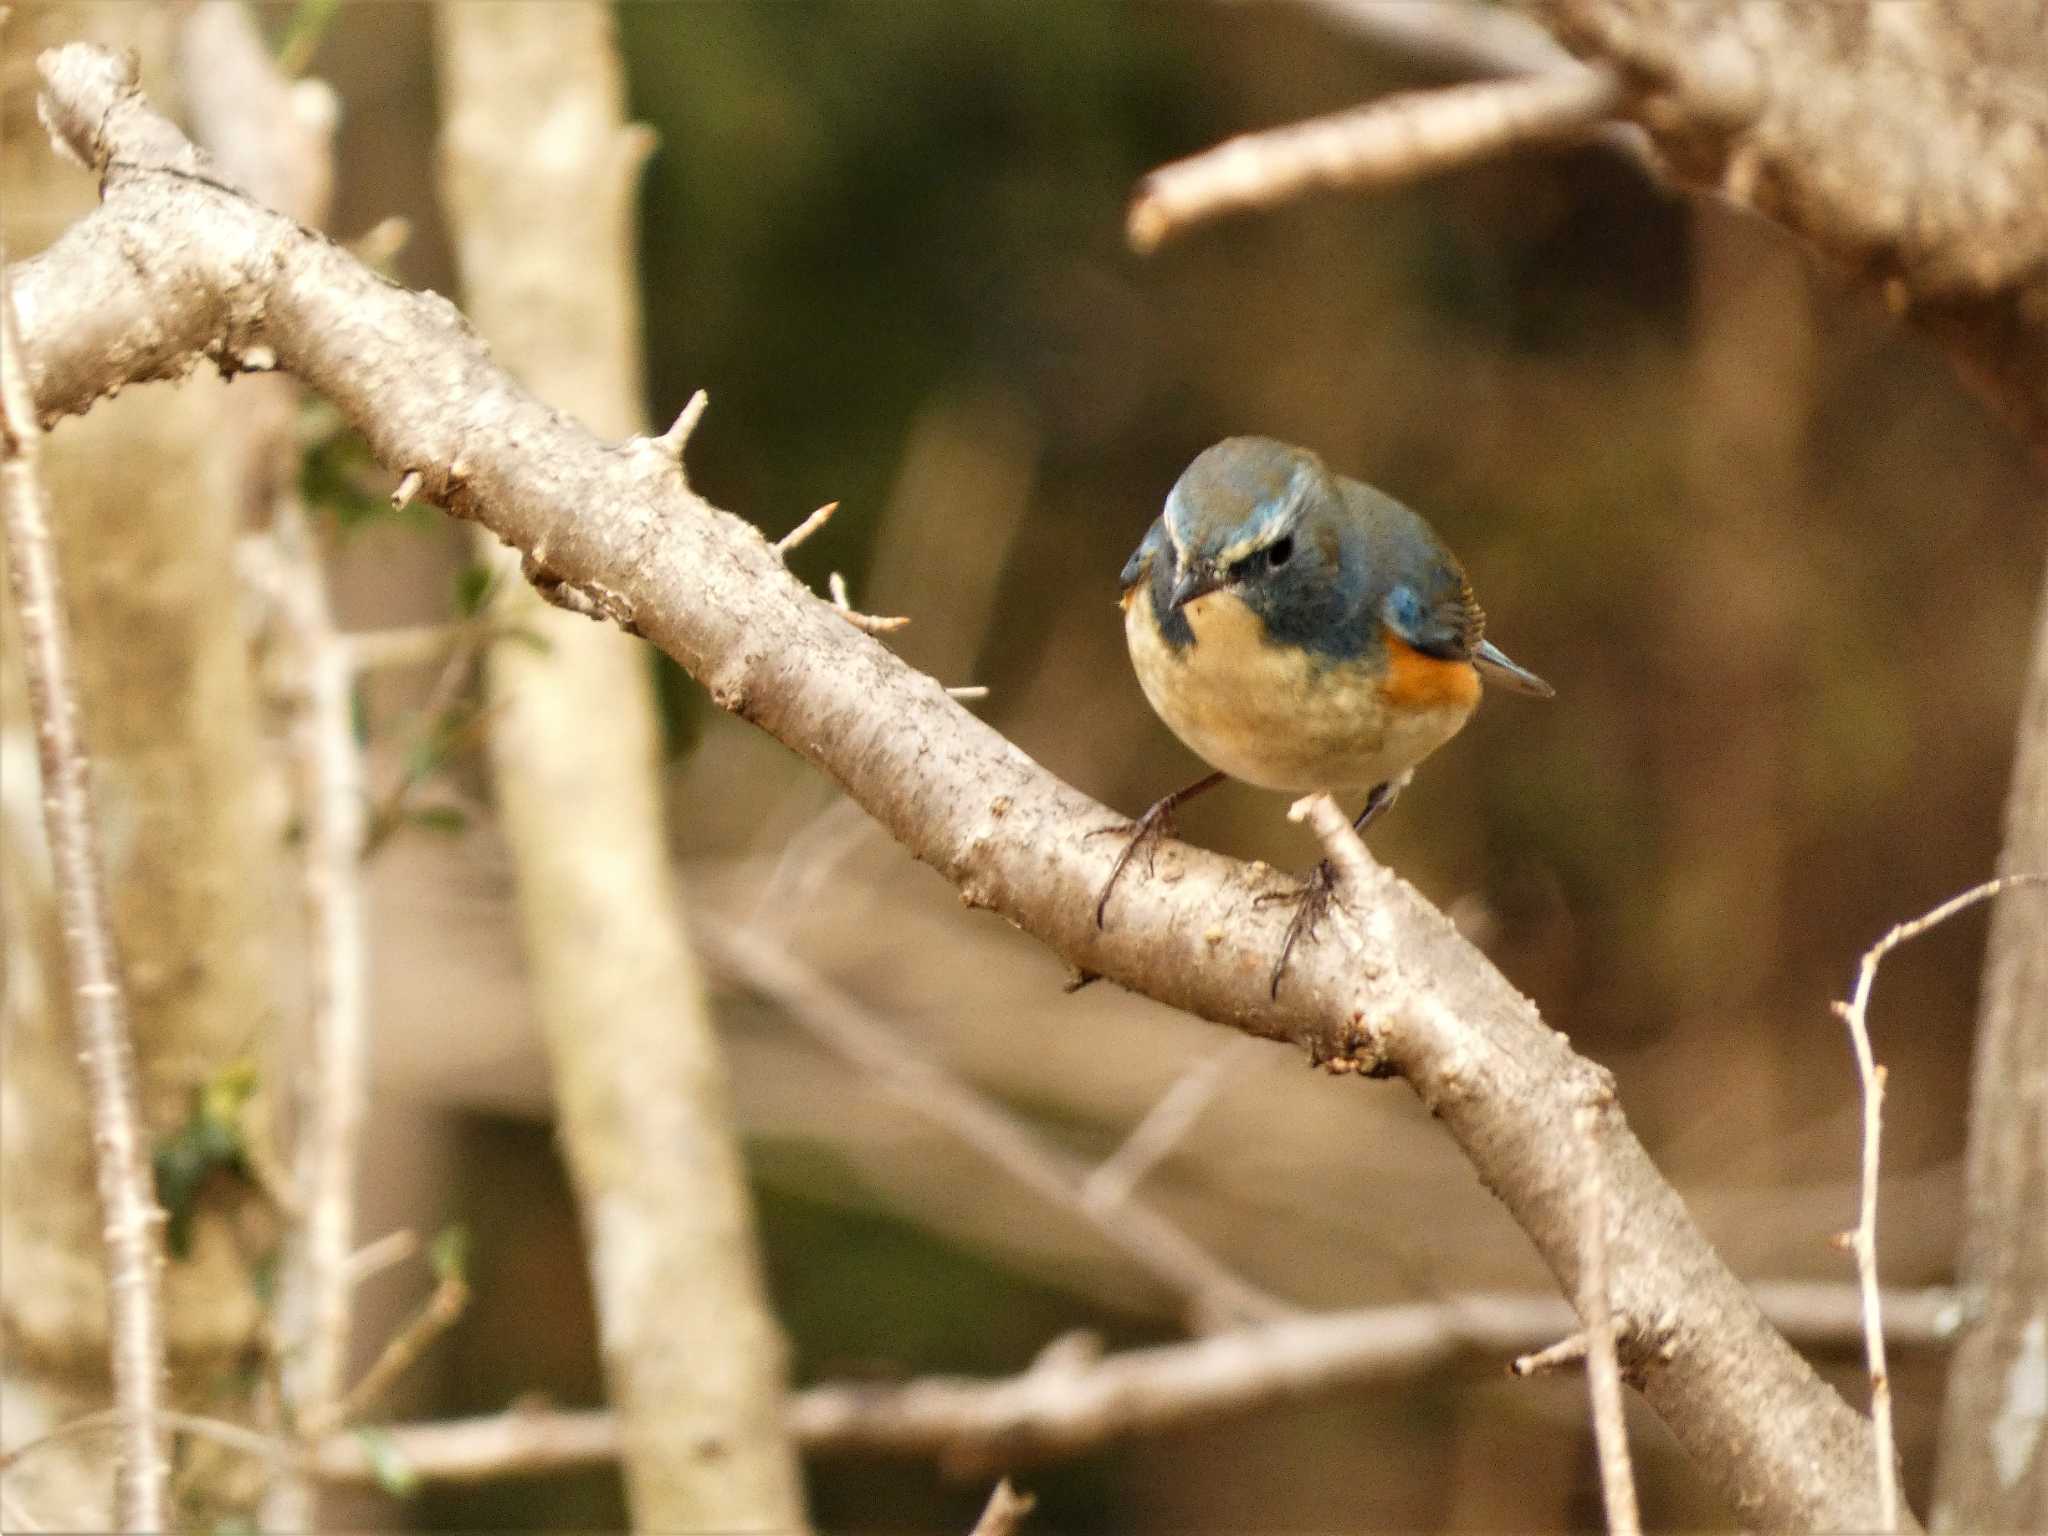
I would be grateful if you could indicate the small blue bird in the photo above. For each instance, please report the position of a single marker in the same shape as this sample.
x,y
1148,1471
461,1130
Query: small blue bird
x,y
1300,631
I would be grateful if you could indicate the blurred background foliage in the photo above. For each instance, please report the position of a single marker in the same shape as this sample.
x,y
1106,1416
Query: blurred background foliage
x,y
1778,565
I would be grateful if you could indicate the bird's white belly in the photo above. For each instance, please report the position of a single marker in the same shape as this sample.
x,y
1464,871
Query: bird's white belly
x,y
1273,716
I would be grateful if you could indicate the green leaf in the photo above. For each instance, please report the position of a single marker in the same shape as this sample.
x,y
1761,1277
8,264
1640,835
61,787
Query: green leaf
x,y
388,1464
449,1252
210,1141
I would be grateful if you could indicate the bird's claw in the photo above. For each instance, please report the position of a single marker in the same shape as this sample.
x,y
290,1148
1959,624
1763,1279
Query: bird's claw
x,y
1311,902
1144,833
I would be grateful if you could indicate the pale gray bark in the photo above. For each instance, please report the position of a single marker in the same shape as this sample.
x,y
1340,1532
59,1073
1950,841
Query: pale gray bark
x,y
539,172
1993,1470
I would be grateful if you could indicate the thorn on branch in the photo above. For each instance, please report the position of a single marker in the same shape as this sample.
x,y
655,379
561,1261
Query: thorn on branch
x,y
1552,1357
805,529
868,623
677,437
379,245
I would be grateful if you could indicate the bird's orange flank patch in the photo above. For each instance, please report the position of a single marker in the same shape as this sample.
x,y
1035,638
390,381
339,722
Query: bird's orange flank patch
x,y
1416,681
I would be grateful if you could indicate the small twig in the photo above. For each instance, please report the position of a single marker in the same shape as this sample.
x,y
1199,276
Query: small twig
x,y
1162,1127
1341,842
968,693
1397,139
871,623
408,487
1569,1350
133,1256
450,1297
471,635
677,437
1006,1511
235,1436
1603,1367
373,1258
1215,1294
805,529
1862,1242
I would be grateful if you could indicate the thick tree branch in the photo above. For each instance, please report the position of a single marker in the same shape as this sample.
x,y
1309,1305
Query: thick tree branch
x,y
174,267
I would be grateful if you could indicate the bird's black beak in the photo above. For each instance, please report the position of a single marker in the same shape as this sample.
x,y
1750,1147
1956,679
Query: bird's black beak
x,y
1196,578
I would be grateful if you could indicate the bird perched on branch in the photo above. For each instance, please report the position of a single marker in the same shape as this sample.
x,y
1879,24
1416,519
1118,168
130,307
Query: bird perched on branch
x,y
1300,631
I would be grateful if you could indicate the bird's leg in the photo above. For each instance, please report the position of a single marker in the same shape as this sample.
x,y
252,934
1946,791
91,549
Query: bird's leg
x,y
1313,899
1148,829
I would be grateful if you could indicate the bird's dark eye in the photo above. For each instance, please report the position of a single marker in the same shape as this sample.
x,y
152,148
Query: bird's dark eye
x,y
1280,551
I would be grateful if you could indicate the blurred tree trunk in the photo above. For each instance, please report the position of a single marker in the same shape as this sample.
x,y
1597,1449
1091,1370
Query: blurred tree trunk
x,y
539,175
146,496
1993,1472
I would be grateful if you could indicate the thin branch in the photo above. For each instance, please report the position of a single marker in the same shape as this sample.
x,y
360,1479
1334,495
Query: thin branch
x,y
1070,1401
408,487
1603,1367
866,623
1569,1350
805,529
380,1254
134,1259
1862,1242
1215,1294
1005,1513
314,1302
1163,1127
234,1436
1355,1347
1396,139
441,1311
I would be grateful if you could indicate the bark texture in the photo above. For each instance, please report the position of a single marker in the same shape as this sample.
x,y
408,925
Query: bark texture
x,y
539,175
1993,1472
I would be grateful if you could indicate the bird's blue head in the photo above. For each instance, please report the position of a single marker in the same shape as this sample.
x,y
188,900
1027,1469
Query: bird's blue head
x,y
1259,520
1236,514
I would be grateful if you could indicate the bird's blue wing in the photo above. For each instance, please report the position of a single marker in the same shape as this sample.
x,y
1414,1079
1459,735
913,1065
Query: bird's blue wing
x,y
1435,612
